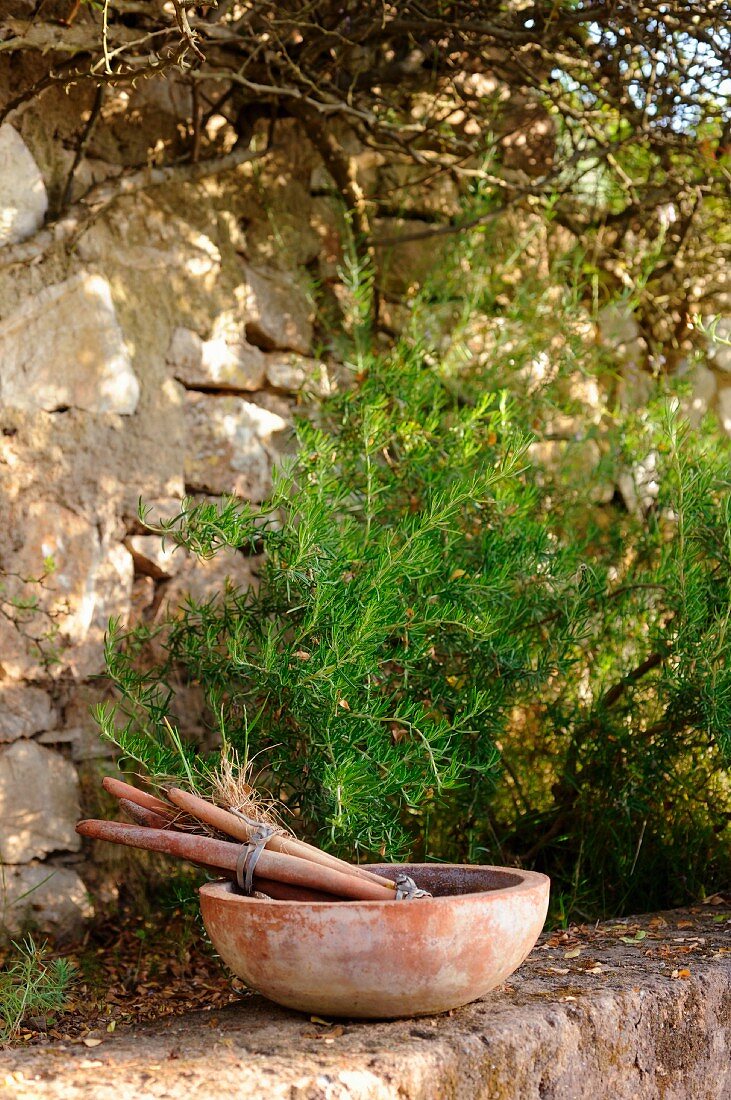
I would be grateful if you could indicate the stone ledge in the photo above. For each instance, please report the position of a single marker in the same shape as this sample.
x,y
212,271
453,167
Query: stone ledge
x,y
588,1015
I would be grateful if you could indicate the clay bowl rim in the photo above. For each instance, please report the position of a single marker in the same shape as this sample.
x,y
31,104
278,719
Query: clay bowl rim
x,y
530,881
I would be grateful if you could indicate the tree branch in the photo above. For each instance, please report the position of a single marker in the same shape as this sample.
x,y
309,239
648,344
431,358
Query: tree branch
x,y
99,197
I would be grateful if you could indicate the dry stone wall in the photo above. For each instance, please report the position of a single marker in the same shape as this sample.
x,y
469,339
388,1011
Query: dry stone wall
x,y
162,353
157,351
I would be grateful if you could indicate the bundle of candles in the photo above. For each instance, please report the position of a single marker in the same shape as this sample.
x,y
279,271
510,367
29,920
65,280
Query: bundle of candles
x,y
257,855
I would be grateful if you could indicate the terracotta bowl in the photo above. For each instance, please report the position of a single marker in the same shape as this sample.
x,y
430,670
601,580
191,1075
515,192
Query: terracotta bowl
x,y
379,959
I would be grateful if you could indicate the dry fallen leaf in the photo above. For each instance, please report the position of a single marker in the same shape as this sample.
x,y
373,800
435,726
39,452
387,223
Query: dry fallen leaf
x,y
91,1042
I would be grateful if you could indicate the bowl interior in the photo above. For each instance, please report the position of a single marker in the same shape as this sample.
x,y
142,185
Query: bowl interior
x,y
449,879
442,880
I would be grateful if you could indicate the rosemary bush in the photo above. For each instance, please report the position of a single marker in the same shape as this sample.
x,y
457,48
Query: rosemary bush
x,y
455,651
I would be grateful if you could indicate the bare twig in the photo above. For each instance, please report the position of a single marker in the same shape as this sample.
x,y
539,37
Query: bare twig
x,y
82,145
185,29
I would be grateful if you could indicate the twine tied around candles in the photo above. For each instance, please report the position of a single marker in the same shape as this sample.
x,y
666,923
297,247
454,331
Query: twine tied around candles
x,y
249,856
406,889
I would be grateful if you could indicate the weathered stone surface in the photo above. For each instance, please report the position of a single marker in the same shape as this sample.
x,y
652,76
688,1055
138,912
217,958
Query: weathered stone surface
x,y
296,373
618,329
227,361
329,223
202,580
79,731
44,898
143,597
282,236
139,236
404,266
24,711
87,580
64,546
703,389
23,199
586,1016
278,311
39,803
231,445
153,559
110,596
64,348
639,485
98,464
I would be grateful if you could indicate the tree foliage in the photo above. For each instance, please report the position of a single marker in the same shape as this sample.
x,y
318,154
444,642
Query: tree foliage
x,y
618,110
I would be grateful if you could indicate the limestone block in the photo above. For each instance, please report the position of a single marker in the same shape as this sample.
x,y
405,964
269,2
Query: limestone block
x,y
39,803
142,598
138,236
80,732
232,445
295,373
154,559
282,235
639,485
86,582
277,309
703,389
64,348
48,899
202,580
23,199
226,362
110,595
405,265
65,547
618,330
24,711
627,1030
328,222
